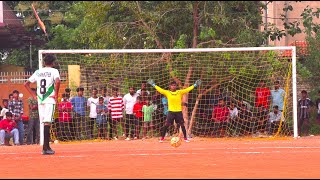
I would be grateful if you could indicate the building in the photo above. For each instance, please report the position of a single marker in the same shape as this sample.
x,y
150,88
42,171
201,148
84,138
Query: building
x,y
273,15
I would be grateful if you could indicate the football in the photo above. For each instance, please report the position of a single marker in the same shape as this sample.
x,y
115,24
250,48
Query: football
x,y
175,142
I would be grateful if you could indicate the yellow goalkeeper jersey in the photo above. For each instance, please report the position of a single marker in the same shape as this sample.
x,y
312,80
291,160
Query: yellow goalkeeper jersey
x,y
174,98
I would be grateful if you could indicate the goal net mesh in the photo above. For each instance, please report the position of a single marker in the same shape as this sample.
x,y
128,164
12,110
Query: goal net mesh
x,y
232,81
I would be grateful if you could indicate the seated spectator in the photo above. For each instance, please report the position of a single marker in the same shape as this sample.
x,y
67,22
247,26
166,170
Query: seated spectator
x,y
274,119
8,129
4,109
261,118
245,120
220,116
233,111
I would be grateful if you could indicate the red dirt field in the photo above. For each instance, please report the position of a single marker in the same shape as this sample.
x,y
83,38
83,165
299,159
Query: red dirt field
x,y
201,158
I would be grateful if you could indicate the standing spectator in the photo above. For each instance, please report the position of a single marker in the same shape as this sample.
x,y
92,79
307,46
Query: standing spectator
x,y
144,88
68,94
105,96
48,83
115,107
304,112
129,100
34,122
8,129
4,109
10,97
277,95
65,119
137,111
220,116
318,107
92,103
80,124
262,94
158,114
274,119
101,121
16,108
175,105
147,110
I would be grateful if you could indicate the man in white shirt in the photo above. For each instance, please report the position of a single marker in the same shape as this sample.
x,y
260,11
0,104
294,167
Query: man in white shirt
x,y
131,122
143,87
92,103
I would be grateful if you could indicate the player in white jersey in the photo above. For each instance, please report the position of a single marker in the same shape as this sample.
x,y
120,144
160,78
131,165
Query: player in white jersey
x,y
48,84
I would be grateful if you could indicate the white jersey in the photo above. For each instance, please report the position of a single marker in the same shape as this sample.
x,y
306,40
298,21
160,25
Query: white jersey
x,y
129,101
45,78
92,103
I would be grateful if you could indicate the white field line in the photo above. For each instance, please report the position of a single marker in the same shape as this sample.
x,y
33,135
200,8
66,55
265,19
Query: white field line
x,y
175,151
147,154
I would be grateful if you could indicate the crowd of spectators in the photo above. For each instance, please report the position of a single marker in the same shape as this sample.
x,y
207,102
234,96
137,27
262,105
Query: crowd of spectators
x,y
78,117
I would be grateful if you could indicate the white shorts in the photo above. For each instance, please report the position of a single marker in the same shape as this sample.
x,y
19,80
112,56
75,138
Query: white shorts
x,y
46,112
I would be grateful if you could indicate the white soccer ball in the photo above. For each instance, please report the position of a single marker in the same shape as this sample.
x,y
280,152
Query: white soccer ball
x,y
56,141
20,95
175,142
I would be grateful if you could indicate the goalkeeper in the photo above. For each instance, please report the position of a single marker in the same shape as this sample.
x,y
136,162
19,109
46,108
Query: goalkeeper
x,y
174,97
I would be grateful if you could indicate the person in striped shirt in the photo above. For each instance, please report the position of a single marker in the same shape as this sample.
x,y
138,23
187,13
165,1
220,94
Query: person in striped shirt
x,y
304,112
174,105
115,106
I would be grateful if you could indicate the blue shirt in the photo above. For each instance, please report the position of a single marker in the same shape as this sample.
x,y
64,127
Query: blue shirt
x,y
278,98
165,105
101,117
79,105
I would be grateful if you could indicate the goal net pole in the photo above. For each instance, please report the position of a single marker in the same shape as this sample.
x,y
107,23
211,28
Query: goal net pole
x,y
294,91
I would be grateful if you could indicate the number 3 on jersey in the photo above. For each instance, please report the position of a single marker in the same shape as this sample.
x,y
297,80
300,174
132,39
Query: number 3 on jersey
x,y
43,84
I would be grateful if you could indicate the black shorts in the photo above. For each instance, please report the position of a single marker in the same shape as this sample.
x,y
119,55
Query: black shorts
x,y
175,116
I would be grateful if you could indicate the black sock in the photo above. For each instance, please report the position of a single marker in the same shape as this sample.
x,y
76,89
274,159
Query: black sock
x,y
46,136
164,130
184,131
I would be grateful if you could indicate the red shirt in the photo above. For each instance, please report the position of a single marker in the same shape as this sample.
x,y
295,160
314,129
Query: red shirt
x,y
137,109
7,124
262,97
220,114
65,115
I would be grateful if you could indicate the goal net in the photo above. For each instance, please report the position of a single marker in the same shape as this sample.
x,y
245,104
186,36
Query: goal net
x,y
245,92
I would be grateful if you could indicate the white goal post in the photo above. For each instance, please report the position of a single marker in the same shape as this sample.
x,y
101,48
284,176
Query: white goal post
x,y
292,49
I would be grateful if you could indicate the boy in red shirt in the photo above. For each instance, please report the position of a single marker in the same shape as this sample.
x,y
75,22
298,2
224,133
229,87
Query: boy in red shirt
x,y
65,120
8,129
137,111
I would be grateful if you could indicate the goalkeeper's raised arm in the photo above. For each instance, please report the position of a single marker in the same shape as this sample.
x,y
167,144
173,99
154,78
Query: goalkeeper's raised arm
x,y
174,97
173,87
